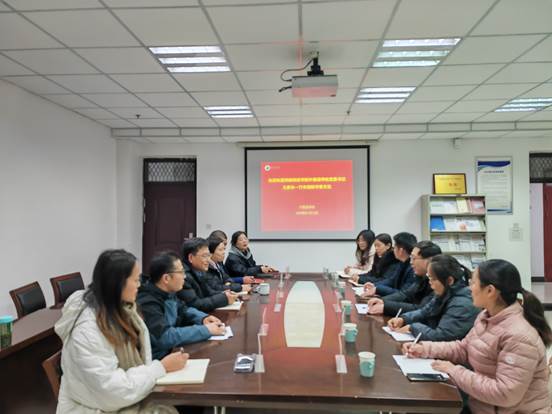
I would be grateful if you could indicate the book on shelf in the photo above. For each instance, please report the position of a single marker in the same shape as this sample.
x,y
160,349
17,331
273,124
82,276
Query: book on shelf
x,y
437,223
477,206
460,242
451,224
462,205
443,206
445,242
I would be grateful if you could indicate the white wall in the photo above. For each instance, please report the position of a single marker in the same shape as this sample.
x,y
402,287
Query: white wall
x,y
401,171
57,192
537,231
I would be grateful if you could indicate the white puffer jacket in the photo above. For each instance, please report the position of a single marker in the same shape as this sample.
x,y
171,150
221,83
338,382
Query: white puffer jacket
x,y
92,381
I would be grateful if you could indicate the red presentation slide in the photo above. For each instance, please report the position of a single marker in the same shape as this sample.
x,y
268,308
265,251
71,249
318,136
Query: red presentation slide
x,y
307,195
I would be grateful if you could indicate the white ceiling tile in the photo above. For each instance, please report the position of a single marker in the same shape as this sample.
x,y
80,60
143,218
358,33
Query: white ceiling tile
x,y
149,3
436,18
167,99
205,140
115,100
328,109
279,121
265,57
347,78
476,106
499,91
281,138
18,33
166,27
457,117
501,116
540,116
116,123
410,118
243,139
53,4
86,28
540,53
70,101
484,134
374,109
183,112
223,81
265,80
350,54
273,23
344,95
277,110
329,137
542,91
439,93
52,61
322,120
461,75
36,84
424,107
87,83
193,122
523,72
96,113
360,137
130,113
148,83
441,135
494,49
167,140
395,76
8,67
271,97
401,135
122,60
220,98
521,17
336,21
525,134
362,119
236,122
226,2
4,8
153,123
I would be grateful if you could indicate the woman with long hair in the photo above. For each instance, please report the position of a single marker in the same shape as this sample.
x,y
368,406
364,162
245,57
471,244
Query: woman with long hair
x,y
106,355
501,364
364,253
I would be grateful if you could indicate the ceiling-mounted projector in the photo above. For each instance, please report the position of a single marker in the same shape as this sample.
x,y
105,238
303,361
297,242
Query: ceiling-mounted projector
x,y
314,85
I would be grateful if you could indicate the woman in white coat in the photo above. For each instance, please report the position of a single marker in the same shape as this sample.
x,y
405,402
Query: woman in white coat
x,y
106,355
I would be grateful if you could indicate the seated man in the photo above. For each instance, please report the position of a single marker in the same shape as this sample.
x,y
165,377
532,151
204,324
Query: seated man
x,y
415,295
404,275
170,322
197,293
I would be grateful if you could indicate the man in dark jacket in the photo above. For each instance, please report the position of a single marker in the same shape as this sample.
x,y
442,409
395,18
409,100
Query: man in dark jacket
x,y
415,295
404,276
170,322
196,293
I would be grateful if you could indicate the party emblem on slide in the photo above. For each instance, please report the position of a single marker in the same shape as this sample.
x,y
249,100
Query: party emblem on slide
x,y
267,168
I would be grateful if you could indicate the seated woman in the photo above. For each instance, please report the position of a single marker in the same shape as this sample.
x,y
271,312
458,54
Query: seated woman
x,y
242,280
364,254
384,263
501,363
106,356
240,261
450,314
216,276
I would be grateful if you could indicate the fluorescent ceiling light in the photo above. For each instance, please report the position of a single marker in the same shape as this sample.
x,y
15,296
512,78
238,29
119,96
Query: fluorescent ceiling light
x,y
232,116
515,109
404,63
191,60
225,108
532,100
181,50
421,42
413,54
528,104
383,95
229,112
400,89
185,69
379,100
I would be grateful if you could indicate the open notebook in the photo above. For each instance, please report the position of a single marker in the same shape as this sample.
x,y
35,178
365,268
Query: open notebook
x,y
416,365
193,373
236,306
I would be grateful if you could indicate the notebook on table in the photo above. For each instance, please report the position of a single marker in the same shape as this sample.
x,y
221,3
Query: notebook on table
x,y
193,373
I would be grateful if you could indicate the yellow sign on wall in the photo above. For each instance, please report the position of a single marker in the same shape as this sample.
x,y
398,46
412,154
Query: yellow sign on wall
x,y
449,184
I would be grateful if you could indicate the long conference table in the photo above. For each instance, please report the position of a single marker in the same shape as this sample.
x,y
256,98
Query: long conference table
x,y
299,356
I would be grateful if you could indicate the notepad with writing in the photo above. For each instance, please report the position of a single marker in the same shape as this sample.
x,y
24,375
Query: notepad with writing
x,y
236,306
398,336
362,308
193,373
227,334
416,365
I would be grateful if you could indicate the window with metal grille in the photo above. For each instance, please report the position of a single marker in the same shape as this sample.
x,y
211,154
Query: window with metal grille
x,y
540,168
170,170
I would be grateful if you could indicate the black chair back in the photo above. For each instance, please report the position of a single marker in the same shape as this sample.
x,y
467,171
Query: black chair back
x,y
28,298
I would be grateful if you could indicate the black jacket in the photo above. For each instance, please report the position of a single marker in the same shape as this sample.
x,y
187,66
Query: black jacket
x,y
218,280
237,265
409,298
197,294
383,267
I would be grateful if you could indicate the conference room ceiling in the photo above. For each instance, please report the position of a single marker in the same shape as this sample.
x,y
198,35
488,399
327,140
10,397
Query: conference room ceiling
x,y
93,57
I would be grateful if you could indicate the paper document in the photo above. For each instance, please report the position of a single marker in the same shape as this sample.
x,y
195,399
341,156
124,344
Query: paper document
x,y
416,365
193,373
343,275
358,290
236,306
362,308
227,334
354,283
398,336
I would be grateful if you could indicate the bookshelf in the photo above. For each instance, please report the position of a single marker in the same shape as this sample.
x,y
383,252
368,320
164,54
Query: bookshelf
x,y
458,225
